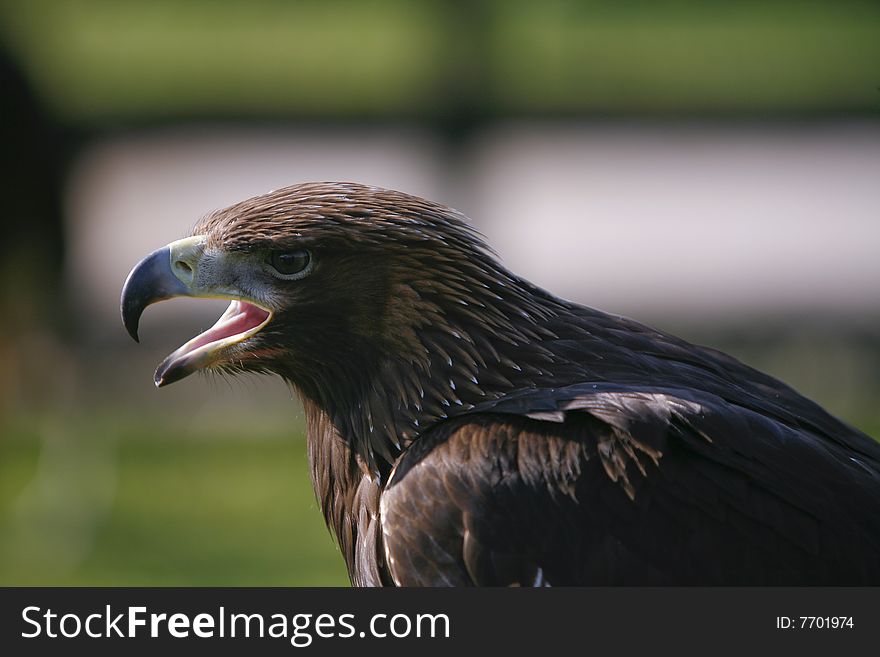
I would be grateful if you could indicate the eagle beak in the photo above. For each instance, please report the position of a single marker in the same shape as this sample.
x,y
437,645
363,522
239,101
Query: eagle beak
x,y
173,271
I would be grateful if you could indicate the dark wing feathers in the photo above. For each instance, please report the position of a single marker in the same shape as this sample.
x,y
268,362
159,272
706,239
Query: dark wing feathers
x,y
609,484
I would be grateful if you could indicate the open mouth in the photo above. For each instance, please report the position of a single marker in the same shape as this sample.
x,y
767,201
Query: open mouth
x,y
240,321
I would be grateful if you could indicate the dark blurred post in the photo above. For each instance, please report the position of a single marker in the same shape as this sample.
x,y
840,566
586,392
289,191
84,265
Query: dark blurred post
x,y
464,97
32,163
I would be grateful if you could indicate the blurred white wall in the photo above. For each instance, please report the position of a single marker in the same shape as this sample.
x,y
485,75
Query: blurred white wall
x,y
703,221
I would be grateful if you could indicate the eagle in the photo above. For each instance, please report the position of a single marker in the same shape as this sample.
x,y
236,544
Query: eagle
x,y
466,427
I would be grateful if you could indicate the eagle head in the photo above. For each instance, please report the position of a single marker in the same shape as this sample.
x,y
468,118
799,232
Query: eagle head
x,y
346,291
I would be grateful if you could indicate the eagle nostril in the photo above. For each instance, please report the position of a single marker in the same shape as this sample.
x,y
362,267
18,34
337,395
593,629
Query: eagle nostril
x,y
183,271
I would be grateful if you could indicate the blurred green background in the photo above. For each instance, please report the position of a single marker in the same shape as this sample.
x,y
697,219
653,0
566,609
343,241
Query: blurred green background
x,y
103,480
99,60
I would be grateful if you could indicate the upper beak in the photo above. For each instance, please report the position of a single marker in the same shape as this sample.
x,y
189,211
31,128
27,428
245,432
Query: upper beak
x,y
164,274
174,271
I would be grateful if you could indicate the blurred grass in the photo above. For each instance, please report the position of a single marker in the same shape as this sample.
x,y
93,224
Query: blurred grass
x,y
97,60
102,503
689,56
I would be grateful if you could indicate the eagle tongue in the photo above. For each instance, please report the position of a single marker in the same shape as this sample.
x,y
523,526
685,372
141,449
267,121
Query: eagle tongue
x,y
239,317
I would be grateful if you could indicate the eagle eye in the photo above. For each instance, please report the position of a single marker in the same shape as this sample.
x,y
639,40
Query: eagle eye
x,y
291,264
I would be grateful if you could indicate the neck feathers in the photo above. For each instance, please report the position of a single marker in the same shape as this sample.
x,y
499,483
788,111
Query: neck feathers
x,y
450,342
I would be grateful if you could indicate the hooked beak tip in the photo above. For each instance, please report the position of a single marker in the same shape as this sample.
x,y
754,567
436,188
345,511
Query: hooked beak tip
x,y
150,281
